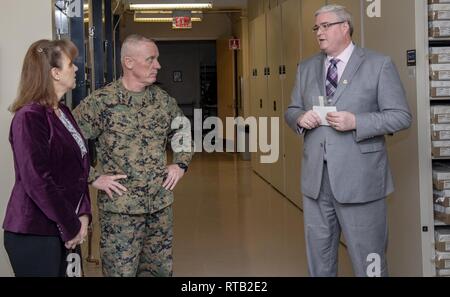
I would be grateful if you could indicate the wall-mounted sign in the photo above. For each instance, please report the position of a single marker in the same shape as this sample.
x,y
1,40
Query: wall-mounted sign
x,y
411,57
234,44
181,22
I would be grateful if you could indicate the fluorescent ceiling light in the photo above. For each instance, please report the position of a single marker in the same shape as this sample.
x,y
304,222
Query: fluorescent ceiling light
x,y
161,20
182,6
156,11
166,11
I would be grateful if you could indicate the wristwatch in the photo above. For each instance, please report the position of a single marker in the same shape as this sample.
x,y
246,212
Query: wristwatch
x,y
183,166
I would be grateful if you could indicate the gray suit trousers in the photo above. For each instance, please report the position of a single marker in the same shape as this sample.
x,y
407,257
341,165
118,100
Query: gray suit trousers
x,y
364,226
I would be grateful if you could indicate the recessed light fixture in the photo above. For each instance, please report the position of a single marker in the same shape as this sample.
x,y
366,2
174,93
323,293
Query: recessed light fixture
x,y
174,6
160,20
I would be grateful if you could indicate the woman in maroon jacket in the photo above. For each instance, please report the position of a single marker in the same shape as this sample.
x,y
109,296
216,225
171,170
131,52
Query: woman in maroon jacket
x,y
49,208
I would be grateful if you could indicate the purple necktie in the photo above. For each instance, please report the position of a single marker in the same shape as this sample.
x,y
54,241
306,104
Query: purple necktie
x,y
332,78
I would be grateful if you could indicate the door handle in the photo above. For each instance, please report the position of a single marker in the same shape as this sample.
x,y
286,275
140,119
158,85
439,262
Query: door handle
x,y
274,105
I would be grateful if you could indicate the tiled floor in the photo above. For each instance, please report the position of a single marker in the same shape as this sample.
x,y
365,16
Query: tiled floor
x,y
230,222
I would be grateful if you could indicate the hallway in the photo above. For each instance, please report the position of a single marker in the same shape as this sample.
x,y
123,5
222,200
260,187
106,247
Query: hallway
x,y
230,222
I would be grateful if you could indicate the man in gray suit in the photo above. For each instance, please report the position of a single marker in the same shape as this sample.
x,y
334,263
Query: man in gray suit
x,y
345,170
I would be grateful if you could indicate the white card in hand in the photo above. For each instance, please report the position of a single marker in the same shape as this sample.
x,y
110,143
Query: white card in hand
x,y
322,112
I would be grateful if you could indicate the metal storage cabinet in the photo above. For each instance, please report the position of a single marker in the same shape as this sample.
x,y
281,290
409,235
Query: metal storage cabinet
x,y
403,26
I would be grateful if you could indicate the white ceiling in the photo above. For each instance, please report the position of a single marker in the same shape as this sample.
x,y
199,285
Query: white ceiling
x,y
217,4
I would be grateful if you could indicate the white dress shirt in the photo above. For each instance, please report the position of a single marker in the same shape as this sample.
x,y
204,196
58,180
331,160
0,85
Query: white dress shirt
x,y
343,58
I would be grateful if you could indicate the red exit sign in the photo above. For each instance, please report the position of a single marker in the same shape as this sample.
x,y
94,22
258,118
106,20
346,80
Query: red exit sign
x,y
234,44
183,22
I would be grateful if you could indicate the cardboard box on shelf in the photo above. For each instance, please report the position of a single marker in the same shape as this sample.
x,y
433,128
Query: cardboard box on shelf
x,y
445,218
442,235
438,1
441,197
440,131
441,171
438,29
442,15
440,127
441,185
439,7
439,58
440,109
443,272
444,143
440,135
442,260
443,247
443,264
439,55
440,148
440,88
440,114
441,119
439,152
441,209
440,71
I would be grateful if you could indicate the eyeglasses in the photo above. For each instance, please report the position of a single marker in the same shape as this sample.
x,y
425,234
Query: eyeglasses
x,y
325,26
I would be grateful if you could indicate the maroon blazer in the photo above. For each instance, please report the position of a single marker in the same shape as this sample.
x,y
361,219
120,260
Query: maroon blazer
x,y
51,176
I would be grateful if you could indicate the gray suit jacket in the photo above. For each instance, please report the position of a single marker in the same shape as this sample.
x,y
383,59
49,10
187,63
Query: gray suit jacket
x,y
370,88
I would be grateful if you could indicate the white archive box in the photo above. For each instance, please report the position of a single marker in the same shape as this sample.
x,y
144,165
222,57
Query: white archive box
x,y
438,1
442,214
440,88
441,197
440,135
441,209
442,235
443,272
442,240
443,247
440,131
439,28
440,148
444,143
440,127
441,171
443,217
441,176
442,15
440,71
442,260
439,6
439,109
440,114
439,55
439,12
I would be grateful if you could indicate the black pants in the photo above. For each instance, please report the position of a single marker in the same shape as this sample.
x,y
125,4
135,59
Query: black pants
x,y
34,255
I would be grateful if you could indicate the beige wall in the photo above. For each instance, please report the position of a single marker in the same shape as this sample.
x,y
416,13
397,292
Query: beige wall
x,y
213,26
22,22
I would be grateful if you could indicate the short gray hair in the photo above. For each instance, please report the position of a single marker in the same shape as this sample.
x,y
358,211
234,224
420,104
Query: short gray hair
x,y
131,41
340,11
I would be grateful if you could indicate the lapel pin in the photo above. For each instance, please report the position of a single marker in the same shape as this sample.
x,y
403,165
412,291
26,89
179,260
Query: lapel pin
x,y
345,82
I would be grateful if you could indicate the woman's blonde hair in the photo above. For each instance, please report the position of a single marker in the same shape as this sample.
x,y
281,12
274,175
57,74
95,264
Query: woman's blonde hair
x,y
36,83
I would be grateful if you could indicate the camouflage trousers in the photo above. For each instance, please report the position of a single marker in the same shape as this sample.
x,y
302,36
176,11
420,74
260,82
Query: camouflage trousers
x,y
136,245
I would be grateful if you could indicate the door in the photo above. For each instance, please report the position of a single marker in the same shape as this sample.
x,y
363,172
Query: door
x,y
226,99
275,104
260,56
293,143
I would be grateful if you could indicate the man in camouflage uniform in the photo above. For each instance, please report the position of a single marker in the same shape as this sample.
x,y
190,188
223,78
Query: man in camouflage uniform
x,y
132,121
